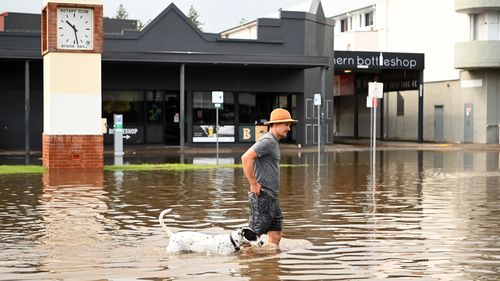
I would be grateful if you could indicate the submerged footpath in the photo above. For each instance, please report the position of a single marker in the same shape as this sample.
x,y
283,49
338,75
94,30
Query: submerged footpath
x,y
344,144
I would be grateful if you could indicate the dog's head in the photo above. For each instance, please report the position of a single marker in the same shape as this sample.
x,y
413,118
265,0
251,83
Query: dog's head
x,y
246,235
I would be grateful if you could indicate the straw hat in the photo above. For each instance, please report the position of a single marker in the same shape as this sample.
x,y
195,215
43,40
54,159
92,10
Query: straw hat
x,y
280,115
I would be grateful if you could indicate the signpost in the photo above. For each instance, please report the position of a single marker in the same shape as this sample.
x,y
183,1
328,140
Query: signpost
x,y
375,92
217,100
317,102
118,132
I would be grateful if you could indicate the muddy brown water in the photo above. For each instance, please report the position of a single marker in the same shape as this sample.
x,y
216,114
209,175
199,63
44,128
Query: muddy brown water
x,y
425,215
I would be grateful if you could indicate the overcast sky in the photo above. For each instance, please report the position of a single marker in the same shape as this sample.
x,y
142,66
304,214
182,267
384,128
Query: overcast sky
x,y
216,15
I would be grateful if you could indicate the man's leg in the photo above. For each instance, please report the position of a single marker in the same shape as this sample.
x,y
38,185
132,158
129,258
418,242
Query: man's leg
x,y
274,237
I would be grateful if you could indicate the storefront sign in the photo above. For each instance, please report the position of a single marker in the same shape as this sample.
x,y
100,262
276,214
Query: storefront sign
x,y
251,133
378,60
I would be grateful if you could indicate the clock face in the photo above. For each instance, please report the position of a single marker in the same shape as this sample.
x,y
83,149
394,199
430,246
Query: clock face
x,y
75,28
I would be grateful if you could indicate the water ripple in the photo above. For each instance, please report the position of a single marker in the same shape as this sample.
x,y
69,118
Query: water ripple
x,y
438,220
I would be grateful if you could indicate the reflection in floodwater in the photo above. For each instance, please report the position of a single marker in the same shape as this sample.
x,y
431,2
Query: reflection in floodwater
x,y
424,215
72,208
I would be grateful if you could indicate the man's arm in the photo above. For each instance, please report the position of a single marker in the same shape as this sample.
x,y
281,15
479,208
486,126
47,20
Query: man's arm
x,y
247,161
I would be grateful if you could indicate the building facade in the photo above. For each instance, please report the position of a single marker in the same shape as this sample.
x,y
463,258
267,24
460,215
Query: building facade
x,y
460,40
456,98
166,72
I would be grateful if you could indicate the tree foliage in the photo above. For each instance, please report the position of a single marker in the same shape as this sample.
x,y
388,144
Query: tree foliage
x,y
121,12
193,16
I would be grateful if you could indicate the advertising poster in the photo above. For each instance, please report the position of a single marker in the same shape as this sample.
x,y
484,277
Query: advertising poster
x,y
207,133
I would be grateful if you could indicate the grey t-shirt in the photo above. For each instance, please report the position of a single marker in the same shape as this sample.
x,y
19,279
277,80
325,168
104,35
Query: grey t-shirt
x,y
266,166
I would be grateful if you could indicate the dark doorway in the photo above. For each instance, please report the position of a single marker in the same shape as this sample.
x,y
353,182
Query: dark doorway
x,y
154,117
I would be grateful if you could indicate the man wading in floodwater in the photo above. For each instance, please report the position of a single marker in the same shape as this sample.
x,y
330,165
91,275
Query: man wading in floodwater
x,y
261,167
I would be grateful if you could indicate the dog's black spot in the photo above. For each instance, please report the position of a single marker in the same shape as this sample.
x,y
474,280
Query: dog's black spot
x,y
249,234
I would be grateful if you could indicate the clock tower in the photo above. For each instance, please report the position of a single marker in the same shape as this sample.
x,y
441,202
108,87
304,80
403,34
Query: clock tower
x,y
72,44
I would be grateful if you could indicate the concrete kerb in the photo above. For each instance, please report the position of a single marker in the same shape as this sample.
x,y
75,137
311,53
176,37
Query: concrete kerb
x,y
342,145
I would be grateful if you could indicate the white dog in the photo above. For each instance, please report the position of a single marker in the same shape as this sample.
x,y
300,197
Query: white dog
x,y
190,241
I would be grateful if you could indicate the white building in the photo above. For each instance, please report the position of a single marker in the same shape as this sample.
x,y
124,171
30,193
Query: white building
x,y
461,43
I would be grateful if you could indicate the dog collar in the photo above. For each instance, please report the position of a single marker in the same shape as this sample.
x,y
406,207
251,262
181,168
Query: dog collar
x,y
234,243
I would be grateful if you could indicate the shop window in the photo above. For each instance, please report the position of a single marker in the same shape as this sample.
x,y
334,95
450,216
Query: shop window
x,y
154,106
309,108
128,103
247,105
282,101
204,109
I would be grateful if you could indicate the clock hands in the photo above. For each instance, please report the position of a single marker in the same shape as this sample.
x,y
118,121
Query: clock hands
x,y
74,29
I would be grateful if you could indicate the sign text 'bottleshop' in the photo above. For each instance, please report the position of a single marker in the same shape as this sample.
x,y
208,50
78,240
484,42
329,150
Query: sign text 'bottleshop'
x,y
378,60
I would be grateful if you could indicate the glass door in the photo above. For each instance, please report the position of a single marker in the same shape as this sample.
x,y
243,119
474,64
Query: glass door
x,y
154,117
172,118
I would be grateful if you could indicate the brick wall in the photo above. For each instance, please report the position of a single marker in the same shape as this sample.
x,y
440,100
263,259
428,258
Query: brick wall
x,y
73,151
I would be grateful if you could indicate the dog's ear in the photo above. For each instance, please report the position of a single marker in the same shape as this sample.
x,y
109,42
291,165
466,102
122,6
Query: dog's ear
x,y
249,234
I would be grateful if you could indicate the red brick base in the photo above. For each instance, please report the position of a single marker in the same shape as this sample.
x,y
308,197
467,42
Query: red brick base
x,y
73,151
92,178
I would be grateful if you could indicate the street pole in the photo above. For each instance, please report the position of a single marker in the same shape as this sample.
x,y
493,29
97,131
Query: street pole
x,y
319,129
27,109
375,100
217,134
182,117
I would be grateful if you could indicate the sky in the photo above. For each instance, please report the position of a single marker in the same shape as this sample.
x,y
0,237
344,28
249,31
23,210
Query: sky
x,y
215,15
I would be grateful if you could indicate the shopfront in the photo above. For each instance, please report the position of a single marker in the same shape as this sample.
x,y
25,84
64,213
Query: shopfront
x,y
153,116
161,78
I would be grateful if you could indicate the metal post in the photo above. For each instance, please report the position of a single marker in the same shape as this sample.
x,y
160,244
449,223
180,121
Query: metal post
x,y
334,113
375,100
217,134
356,116
27,108
319,129
421,107
382,114
322,140
371,126
118,134
182,113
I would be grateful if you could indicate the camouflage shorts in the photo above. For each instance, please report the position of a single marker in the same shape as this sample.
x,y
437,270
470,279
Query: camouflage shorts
x,y
265,213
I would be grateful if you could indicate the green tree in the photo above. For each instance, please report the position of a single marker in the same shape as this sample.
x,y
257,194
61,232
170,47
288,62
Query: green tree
x,y
140,25
193,16
121,12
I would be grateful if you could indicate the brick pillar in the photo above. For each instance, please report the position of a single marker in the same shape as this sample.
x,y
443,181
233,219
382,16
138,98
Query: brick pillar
x,y
73,151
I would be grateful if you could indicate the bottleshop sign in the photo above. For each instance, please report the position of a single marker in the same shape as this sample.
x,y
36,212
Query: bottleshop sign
x,y
377,60
251,133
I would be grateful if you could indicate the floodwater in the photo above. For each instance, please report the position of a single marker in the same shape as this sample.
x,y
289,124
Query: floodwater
x,y
420,215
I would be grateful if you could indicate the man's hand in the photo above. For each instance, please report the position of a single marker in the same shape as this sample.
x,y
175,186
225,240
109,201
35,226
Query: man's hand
x,y
247,161
255,188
